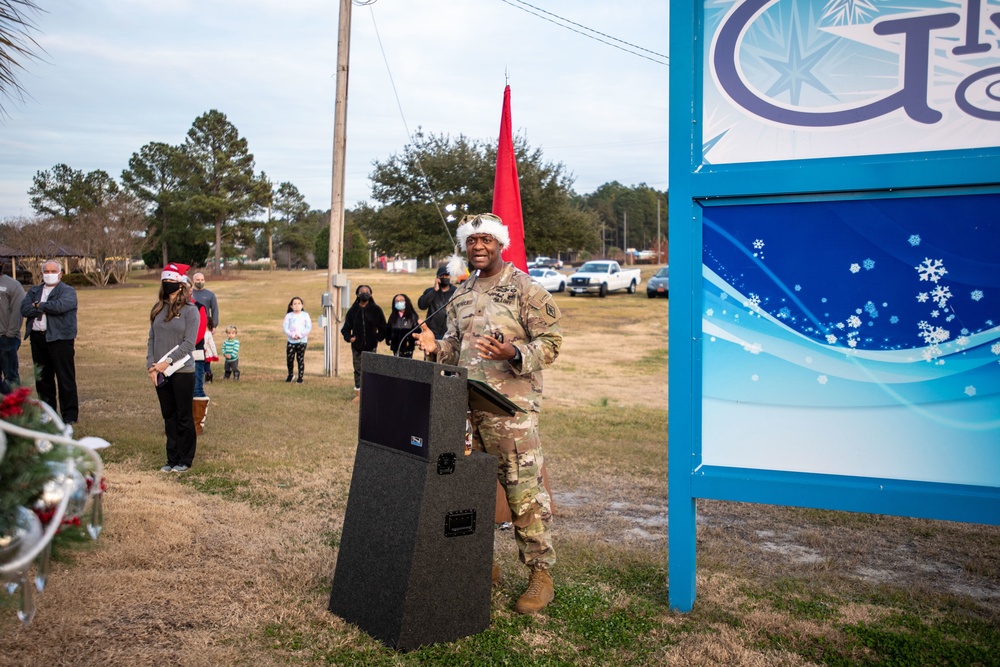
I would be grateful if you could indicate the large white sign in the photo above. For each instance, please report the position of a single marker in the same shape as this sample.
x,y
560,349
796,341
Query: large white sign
x,y
793,79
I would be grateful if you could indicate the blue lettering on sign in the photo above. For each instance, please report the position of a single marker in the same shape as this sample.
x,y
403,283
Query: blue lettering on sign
x,y
911,96
416,441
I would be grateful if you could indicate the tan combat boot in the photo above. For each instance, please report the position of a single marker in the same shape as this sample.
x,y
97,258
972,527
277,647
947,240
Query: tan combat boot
x,y
497,575
540,592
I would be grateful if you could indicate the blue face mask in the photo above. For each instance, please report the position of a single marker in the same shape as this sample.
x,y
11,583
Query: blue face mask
x,y
400,305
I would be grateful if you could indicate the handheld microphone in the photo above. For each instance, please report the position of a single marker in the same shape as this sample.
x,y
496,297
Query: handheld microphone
x,y
465,290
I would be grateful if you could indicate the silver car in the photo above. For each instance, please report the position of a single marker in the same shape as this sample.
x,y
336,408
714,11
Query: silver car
x,y
659,284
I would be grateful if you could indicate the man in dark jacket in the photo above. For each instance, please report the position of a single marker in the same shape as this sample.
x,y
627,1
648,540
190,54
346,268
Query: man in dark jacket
x,y
49,310
11,296
434,299
364,327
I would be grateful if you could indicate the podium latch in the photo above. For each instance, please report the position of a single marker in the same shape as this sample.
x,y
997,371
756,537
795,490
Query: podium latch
x,y
446,463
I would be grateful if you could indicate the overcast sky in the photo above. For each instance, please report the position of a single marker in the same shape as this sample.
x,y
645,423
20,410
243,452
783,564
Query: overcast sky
x,y
115,75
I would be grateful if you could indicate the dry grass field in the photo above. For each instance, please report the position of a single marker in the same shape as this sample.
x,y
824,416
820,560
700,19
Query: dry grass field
x,y
231,563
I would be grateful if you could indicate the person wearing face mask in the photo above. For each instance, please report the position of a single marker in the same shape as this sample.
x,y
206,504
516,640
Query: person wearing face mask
x,y
174,322
49,310
205,297
433,299
402,320
364,327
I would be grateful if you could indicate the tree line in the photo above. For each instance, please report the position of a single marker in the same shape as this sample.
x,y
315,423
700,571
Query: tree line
x,y
202,202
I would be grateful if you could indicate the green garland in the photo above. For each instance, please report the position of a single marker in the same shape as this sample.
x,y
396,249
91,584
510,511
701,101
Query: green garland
x,y
24,468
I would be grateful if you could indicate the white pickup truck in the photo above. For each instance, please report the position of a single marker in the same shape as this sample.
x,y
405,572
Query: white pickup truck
x,y
603,276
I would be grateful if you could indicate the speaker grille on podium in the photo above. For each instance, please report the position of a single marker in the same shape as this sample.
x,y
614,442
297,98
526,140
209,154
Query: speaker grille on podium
x,y
416,549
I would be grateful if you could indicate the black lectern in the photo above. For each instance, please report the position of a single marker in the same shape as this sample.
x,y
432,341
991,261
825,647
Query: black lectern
x,y
417,545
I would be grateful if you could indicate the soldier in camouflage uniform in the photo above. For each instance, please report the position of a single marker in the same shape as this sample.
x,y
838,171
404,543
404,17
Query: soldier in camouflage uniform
x,y
504,329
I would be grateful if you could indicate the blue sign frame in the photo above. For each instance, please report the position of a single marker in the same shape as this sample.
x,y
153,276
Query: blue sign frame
x,y
701,186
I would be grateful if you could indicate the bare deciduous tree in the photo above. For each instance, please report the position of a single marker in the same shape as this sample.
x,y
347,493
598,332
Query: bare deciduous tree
x,y
110,236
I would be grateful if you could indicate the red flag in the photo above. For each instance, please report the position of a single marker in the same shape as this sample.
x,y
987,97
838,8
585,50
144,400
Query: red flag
x,y
507,191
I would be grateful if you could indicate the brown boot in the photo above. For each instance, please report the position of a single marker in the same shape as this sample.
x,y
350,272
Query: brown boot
x,y
540,592
497,575
199,410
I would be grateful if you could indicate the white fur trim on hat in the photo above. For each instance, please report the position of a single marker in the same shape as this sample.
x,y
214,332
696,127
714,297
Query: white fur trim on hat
x,y
484,223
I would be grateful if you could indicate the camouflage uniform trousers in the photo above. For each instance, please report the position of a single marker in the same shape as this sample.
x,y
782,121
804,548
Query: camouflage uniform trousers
x,y
514,441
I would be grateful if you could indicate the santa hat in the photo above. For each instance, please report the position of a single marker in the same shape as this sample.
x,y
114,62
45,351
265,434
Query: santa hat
x,y
175,271
484,223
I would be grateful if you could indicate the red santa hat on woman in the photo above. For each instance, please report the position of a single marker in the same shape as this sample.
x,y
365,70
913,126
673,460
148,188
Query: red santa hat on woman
x,y
175,271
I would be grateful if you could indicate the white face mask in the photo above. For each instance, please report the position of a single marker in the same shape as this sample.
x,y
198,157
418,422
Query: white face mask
x,y
50,278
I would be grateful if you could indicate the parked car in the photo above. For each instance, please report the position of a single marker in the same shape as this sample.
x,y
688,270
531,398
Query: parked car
x,y
603,276
551,280
659,284
542,262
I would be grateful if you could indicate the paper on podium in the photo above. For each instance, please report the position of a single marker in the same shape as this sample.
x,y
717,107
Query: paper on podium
x,y
485,398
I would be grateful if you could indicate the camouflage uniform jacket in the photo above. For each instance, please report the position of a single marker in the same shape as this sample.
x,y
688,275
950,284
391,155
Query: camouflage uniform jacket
x,y
527,316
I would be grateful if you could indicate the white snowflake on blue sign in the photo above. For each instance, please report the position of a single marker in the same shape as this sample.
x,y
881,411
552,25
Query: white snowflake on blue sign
x,y
784,313
831,339
798,288
869,264
922,297
970,391
758,244
854,321
914,240
995,348
976,295
855,267
822,379
893,320
931,269
754,377
753,348
941,294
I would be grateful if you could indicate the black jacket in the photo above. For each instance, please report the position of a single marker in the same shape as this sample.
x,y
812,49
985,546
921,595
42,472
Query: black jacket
x,y
366,325
431,301
394,334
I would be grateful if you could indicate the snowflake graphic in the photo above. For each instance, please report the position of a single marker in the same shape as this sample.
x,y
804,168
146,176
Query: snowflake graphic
x,y
855,268
932,334
710,312
854,321
962,340
754,377
852,342
758,244
822,379
753,348
923,297
754,301
931,269
970,391
914,240
935,313
784,313
798,288
893,320
941,294
869,264
950,318
840,325
871,309
831,339
995,348
848,12
931,353
976,295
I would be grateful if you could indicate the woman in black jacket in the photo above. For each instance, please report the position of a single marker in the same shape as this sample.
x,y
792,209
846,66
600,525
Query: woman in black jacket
x,y
402,320
364,327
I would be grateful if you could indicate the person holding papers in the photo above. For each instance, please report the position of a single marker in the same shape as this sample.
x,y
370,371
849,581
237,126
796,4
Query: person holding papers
x,y
173,332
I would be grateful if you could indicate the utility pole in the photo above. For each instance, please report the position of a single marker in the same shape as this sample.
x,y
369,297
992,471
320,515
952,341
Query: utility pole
x,y
659,249
625,242
335,280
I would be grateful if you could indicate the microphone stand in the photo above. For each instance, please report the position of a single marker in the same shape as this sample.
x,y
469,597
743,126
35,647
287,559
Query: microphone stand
x,y
465,290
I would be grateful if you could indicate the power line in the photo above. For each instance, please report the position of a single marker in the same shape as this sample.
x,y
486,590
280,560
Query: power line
x,y
524,8
427,182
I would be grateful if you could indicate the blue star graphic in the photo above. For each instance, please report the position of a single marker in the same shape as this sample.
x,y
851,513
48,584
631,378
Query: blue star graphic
x,y
796,70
